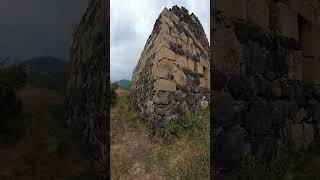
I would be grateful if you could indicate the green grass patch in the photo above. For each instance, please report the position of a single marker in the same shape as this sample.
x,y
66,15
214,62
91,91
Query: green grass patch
x,y
193,127
193,124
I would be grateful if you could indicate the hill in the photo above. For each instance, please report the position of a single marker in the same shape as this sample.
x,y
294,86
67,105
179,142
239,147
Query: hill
x,y
124,84
46,72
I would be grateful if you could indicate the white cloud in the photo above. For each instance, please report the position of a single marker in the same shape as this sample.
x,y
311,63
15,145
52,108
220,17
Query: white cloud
x,y
131,23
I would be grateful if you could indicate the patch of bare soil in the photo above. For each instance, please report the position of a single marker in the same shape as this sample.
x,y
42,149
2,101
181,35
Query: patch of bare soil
x,y
131,149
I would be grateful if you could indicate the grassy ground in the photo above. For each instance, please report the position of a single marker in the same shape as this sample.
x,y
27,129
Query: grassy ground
x,y
180,151
46,150
288,165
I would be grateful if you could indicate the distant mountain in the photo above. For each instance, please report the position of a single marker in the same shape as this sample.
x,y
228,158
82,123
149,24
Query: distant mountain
x,y
46,72
125,84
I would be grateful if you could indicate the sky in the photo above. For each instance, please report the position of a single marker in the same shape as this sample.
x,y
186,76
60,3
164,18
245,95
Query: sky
x,y
131,23
38,27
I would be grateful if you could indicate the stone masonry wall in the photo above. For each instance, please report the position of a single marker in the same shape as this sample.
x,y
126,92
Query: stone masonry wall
x,y
86,98
172,75
265,67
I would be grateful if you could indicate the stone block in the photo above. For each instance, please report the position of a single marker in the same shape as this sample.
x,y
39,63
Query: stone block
x,y
163,69
288,21
170,37
194,51
222,104
232,8
167,21
184,37
311,73
204,62
164,85
179,42
315,41
199,68
227,51
308,133
190,65
204,82
276,89
165,28
165,52
258,12
296,135
160,42
295,65
310,40
179,77
181,61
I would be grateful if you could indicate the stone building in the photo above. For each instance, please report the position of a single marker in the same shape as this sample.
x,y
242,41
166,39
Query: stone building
x,y
173,72
87,107
265,70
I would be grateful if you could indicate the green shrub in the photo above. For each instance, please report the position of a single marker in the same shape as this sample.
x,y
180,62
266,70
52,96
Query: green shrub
x,y
190,124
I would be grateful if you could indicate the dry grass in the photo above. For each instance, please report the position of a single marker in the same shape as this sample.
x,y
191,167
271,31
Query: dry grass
x,y
136,153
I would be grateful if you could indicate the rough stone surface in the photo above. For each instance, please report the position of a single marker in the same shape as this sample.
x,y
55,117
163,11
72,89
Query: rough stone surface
x,y
265,66
173,72
86,97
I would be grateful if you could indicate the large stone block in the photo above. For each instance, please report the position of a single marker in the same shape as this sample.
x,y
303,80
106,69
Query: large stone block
x,y
232,8
164,85
181,61
190,65
180,77
199,68
222,104
160,42
163,69
204,62
167,21
258,12
165,53
227,51
288,21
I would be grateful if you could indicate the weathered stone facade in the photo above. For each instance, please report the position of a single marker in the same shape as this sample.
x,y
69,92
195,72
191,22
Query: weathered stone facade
x,y
173,72
87,106
265,71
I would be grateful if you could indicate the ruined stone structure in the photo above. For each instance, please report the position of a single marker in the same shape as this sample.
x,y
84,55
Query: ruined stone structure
x,y
87,106
172,75
265,70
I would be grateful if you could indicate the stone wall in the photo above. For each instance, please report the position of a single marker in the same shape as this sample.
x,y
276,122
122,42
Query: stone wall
x,y
172,75
86,99
264,80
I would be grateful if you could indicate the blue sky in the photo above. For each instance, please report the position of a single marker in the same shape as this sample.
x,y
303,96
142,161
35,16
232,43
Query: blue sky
x,y
131,23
